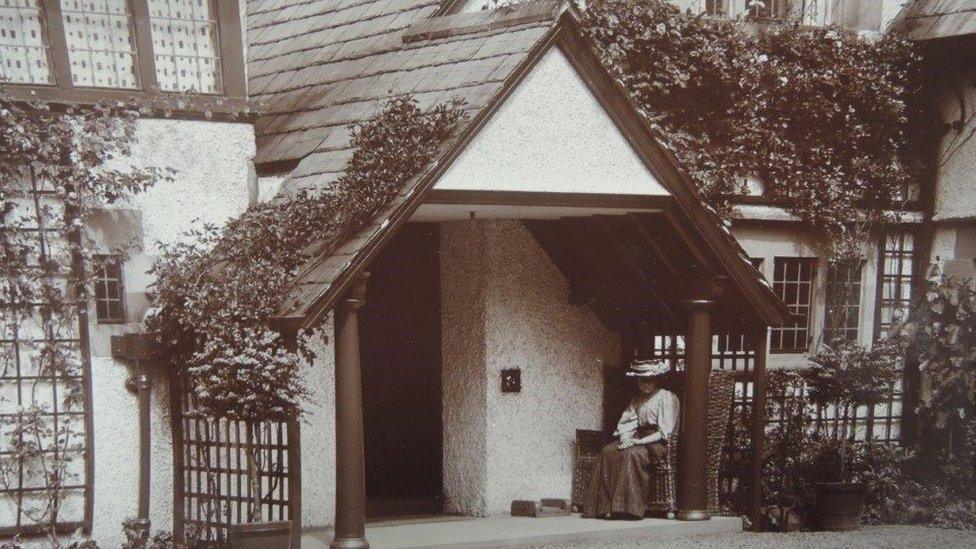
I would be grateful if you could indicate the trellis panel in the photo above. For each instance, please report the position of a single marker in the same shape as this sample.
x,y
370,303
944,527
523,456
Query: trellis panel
x,y
231,472
44,363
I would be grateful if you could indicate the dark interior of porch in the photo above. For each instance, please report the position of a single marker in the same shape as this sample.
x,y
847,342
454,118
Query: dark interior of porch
x,y
634,271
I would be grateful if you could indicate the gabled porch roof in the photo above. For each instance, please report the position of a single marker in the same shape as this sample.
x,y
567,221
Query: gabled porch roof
x,y
503,46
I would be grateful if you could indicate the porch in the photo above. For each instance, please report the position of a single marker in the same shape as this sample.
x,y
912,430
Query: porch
x,y
507,531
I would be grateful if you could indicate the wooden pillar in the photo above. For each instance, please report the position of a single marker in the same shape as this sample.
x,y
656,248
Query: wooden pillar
x,y
693,446
758,428
350,522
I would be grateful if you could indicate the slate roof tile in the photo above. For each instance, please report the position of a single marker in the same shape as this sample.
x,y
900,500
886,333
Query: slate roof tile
x,y
328,64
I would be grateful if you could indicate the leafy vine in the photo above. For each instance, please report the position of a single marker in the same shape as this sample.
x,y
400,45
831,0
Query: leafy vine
x,y
219,290
827,120
59,164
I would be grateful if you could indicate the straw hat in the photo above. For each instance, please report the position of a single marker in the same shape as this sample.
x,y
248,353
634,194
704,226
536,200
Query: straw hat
x,y
648,368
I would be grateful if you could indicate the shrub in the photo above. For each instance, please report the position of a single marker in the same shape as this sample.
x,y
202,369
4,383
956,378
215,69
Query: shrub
x,y
218,293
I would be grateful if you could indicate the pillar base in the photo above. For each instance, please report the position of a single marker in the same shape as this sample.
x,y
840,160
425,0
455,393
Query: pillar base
x,y
693,514
349,543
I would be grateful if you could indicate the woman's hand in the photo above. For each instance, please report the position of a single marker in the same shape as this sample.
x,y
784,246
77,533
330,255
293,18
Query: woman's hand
x,y
625,443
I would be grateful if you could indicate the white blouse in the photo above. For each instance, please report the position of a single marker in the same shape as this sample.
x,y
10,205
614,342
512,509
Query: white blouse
x,y
659,409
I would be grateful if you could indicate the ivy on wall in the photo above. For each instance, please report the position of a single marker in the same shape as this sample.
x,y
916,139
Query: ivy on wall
x,y
218,292
58,164
824,118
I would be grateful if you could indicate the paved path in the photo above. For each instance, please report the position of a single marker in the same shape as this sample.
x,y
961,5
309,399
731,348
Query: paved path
x,y
869,537
482,533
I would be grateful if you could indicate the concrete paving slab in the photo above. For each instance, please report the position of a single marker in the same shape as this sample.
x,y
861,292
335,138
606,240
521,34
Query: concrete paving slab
x,y
478,533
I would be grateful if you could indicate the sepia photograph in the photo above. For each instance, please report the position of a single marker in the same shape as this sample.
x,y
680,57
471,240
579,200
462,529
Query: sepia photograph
x,y
568,274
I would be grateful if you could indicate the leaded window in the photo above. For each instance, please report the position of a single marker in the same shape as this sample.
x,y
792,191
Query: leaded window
x,y
25,56
185,46
91,50
793,283
101,43
843,300
768,9
897,268
108,290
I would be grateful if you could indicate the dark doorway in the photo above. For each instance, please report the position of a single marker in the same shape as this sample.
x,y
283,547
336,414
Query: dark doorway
x,y
401,359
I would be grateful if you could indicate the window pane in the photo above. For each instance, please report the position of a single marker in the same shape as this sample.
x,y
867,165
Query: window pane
x,y
109,304
792,281
24,49
185,46
101,43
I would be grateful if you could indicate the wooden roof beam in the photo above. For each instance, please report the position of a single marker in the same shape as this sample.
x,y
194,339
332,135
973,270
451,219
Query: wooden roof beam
x,y
654,244
603,226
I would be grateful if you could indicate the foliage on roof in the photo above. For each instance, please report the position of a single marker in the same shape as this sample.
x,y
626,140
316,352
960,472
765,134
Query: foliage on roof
x,y
217,293
824,118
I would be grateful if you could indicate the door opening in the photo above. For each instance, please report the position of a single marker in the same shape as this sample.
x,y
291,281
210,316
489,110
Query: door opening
x,y
401,360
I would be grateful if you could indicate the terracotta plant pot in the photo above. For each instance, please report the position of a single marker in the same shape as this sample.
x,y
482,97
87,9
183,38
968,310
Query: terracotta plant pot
x,y
840,505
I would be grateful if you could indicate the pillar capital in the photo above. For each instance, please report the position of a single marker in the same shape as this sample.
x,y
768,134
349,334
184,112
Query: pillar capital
x,y
699,304
356,294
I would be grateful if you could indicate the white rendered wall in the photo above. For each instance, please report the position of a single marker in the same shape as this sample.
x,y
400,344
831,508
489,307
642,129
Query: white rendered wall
x,y
551,135
512,304
955,195
318,432
212,161
464,276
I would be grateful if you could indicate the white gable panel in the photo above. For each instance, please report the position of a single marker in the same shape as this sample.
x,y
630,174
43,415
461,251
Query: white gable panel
x,y
551,135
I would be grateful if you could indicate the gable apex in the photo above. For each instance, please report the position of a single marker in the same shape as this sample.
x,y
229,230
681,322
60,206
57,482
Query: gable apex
x,y
551,134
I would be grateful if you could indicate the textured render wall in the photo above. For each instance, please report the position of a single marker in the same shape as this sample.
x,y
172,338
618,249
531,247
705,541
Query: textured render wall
x,y
318,432
560,348
956,181
463,260
505,306
212,161
592,156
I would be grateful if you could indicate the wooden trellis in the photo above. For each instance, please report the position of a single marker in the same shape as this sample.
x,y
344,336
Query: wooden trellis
x,y
233,472
45,374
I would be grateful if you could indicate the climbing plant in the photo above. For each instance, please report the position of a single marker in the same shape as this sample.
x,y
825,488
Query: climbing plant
x,y
942,329
218,291
59,163
820,116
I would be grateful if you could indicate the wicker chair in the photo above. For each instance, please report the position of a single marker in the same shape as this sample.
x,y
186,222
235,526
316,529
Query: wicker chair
x,y
661,497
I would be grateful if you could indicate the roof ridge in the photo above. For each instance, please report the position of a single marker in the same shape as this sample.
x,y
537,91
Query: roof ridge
x,y
485,20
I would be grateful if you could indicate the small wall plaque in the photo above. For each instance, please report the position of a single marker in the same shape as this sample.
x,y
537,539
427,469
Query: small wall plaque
x,y
512,380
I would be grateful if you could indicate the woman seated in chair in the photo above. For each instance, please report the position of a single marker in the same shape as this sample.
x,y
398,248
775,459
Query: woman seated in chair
x,y
621,478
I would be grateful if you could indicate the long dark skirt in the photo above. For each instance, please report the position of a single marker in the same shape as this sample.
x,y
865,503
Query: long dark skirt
x,y
621,480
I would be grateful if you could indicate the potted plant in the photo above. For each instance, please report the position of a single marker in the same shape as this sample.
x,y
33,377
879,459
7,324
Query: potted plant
x,y
846,376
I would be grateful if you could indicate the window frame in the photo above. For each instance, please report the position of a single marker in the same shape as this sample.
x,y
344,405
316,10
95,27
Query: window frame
x,y
807,319
63,90
906,247
109,261
833,301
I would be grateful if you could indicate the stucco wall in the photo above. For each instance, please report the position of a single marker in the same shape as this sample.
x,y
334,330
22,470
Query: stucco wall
x,y
212,161
592,155
463,252
511,303
318,432
956,180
